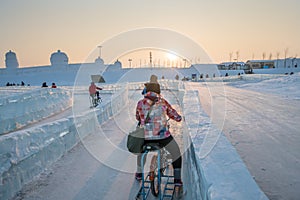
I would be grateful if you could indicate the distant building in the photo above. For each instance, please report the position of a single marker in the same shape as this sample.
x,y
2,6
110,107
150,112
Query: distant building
x,y
59,58
287,63
11,61
232,66
261,64
116,66
60,67
276,63
99,61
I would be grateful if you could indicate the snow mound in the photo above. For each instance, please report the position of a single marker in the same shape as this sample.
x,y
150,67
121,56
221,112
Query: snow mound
x,y
286,86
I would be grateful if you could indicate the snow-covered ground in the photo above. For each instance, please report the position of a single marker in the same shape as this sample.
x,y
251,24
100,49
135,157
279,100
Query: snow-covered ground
x,y
286,87
261,119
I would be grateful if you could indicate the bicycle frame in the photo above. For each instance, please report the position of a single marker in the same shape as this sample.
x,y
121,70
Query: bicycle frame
x,y
159,162
94,101
145,192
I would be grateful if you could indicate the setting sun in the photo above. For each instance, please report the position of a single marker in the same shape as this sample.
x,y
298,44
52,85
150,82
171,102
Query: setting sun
x,y
171,56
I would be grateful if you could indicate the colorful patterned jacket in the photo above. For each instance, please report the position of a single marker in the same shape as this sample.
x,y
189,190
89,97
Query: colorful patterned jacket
x,y
157,125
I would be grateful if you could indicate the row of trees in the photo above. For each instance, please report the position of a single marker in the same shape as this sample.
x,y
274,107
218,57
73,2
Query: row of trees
x,y
264,55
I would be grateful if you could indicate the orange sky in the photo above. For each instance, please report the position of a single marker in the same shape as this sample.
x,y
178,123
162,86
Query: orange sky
x,y
35,29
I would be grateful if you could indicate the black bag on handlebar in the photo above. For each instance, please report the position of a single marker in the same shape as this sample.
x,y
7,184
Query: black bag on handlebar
x,y
135,140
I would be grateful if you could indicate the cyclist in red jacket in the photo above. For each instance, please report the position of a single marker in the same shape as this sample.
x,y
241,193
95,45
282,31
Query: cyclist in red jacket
x,y
93,90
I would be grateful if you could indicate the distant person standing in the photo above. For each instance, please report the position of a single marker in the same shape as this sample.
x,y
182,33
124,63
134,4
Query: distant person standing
x,y
53,85
44,84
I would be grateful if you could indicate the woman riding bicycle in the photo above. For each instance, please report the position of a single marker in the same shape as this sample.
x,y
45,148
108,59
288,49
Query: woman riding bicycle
x,y
156,128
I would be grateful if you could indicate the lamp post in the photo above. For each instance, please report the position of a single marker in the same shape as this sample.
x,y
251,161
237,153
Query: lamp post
x,y
184,62
150,59
99,51
129,62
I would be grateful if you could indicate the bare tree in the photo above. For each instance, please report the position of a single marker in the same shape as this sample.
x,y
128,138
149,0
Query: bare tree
x,y
184,60
286,50
285,55
270,56
277,56
263,55
129,60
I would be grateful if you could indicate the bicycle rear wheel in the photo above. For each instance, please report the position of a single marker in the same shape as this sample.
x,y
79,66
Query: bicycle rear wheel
x,y
155,177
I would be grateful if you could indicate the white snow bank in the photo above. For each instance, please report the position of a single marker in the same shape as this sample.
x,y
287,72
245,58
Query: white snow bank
x,y
20,109
217,170
286,86
26,153
287,70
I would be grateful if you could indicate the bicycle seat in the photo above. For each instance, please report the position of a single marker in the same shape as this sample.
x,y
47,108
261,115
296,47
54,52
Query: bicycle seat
x,y
151,147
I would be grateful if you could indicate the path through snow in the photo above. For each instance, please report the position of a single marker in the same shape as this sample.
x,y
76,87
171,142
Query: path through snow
x,y
99,167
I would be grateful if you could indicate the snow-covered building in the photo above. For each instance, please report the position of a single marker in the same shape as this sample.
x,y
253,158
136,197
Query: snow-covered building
x,y
59,65
232,66
260,64
59,58
278,66
287,63
99,61
11,61
278,63
116,66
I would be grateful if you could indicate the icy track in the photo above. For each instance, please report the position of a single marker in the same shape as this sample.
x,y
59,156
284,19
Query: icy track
x,y
215,173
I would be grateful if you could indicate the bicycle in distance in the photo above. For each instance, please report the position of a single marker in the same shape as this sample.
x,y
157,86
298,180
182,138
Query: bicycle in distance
x,y
95,101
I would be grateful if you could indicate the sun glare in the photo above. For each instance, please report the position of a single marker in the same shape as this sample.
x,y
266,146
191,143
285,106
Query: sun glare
x,y
171,56
152,58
